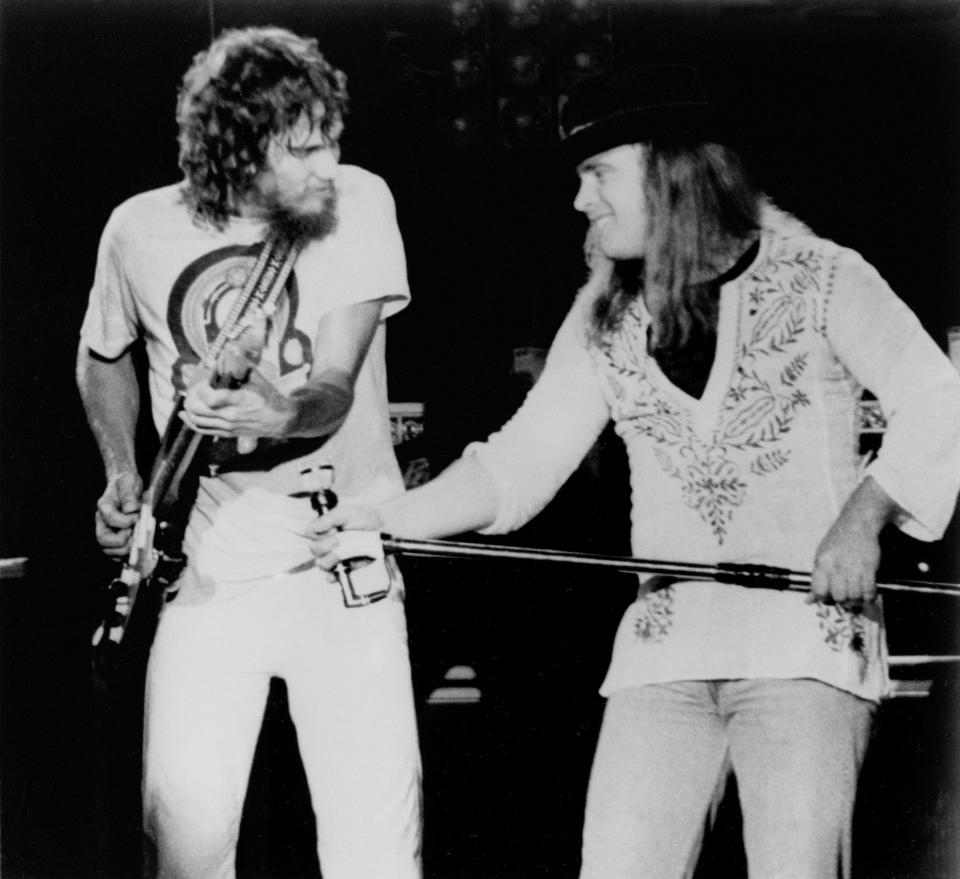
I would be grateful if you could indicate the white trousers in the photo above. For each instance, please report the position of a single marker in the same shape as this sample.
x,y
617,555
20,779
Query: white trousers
x,y
348,682
662,761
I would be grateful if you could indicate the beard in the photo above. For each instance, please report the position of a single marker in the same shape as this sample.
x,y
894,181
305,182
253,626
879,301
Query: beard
x,y
297,225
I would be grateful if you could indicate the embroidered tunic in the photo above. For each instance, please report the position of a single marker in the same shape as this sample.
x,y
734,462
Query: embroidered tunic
x,y
754,471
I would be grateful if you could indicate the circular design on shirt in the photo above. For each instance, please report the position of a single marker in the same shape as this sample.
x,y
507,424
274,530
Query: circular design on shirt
x,y
202,299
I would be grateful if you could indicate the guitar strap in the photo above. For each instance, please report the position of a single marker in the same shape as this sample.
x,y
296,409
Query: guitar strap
x,y
262,289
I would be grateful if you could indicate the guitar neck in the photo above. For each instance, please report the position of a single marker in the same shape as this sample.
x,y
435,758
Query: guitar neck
x,y
178,451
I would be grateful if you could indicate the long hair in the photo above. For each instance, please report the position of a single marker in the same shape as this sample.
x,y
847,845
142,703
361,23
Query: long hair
x,y
701,208
249,86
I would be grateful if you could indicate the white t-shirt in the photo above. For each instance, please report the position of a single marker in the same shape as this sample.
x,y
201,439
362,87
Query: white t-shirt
x,y
162,276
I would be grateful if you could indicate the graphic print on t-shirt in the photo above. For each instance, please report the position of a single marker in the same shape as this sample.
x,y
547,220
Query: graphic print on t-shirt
x,y
201,299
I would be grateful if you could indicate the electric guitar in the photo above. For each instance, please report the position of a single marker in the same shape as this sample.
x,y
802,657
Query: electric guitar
x,y
156,560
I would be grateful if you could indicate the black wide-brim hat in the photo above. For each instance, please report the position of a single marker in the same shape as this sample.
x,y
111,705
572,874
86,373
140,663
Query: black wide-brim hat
x,y
663,104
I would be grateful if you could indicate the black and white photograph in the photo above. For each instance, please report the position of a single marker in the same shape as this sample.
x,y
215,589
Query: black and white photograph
x,y
480,439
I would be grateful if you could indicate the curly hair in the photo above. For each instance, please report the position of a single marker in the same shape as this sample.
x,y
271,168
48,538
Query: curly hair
x,y
249,86
701,207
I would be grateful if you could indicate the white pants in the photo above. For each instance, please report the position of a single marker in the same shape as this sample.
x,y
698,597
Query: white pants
x,y
665,750
348,682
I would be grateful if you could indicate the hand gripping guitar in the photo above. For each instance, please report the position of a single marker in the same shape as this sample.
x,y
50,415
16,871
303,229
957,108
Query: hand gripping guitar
x,y
156,560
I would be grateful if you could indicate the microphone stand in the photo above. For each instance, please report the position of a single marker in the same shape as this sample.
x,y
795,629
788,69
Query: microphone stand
x,y
762,576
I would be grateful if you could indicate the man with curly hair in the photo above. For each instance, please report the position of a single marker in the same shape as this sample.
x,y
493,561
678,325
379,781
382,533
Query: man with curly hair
x,y
729,345
260,114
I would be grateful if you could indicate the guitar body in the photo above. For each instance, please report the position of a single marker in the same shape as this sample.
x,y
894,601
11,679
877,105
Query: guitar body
x,y
134,599
156,558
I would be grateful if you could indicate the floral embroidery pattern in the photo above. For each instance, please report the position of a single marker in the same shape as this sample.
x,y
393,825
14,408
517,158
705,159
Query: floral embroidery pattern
x,y
654,617
843,630
711,484
762,400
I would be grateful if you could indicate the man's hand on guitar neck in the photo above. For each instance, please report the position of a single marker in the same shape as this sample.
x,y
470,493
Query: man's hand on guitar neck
x,y
258,409
255,409
117,512
317,408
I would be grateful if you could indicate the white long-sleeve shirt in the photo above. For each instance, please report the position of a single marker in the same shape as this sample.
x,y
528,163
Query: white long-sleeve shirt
x,y
757,469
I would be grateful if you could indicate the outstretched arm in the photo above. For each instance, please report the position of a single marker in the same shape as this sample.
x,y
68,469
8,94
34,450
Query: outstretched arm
x,y
317,408
111,398
462,498
500,484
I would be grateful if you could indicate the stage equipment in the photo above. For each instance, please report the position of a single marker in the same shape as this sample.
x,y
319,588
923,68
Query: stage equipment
x,y
526,14
468,70
525,122
762,576
524,68
466,15
584,60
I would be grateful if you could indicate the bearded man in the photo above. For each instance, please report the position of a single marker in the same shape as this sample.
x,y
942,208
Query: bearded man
x,y
297,385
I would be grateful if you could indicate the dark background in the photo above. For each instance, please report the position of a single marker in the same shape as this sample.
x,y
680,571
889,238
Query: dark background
x,y
851,111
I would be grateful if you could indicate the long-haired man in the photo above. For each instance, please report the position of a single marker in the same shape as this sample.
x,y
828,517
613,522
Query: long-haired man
x,y
300,385
729,345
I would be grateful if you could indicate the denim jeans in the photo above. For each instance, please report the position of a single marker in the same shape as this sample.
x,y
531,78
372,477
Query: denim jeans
x,y
664,755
